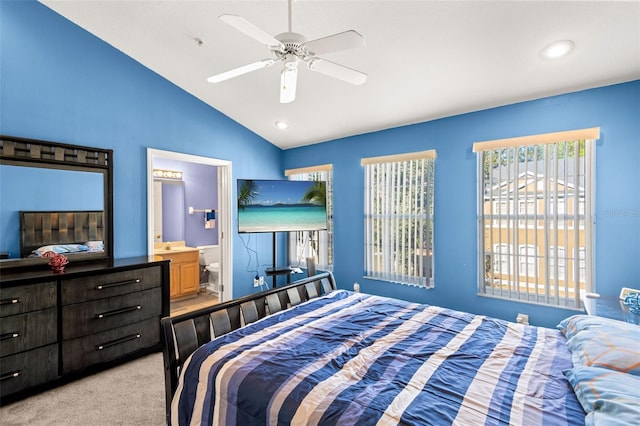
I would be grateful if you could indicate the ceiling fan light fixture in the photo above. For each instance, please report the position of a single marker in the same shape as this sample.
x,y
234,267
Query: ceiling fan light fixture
x,y
290,61
288,81
557,49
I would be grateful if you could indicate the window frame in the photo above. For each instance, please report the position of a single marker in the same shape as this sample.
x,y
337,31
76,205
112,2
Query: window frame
x,y
399,221
549,227
297,253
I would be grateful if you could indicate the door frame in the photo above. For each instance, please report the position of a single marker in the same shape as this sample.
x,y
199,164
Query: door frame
x,y
225,194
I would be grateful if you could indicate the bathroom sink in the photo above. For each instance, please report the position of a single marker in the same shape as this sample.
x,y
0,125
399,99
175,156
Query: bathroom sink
x,y
173,249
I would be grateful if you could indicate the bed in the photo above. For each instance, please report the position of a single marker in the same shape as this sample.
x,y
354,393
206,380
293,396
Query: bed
x,y
310,354
77,233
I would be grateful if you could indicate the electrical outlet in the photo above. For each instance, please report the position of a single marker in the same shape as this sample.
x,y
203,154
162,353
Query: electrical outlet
x,y
256,281
522,319
261,280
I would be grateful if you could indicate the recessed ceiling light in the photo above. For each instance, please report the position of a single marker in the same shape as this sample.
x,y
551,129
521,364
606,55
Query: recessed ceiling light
x,y
557,49
281,125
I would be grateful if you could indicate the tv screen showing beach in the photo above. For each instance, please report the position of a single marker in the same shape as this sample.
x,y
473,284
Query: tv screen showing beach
x,y
281,205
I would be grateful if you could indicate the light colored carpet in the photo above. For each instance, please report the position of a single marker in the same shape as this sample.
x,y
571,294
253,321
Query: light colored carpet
x,y
129,394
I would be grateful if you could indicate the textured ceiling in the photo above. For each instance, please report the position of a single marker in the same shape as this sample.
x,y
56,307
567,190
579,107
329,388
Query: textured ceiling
x,y
424,59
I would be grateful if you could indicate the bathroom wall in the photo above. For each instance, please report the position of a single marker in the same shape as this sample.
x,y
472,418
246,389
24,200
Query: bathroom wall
x,y
201,193
173,210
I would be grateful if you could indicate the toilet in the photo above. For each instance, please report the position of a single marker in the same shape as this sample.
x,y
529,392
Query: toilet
x,y
210,264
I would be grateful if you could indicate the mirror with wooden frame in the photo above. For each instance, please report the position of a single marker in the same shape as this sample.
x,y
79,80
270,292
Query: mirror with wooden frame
x,y
54,197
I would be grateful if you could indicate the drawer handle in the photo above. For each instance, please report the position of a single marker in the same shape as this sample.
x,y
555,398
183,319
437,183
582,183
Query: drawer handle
x,y
10,301
11,335
11,375
118,311
119,283
118,341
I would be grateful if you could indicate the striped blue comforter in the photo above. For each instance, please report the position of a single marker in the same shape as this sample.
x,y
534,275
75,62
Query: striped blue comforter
x,y
355,359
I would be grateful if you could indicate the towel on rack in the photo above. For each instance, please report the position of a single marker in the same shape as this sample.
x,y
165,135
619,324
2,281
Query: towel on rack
x,y
210,219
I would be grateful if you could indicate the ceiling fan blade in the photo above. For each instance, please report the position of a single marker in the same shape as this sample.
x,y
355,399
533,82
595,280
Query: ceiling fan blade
x,y
333,43
246,27
337,71
240,70
288,83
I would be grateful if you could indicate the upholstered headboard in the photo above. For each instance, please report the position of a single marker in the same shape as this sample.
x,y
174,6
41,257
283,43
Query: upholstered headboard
x,y
41,228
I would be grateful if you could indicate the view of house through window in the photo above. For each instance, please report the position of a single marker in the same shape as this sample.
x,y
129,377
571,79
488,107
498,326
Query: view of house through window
x,y
535,225
313,244
399,218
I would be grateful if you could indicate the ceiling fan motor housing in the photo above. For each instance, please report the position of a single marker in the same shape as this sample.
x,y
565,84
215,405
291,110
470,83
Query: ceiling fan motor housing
x,y
292,43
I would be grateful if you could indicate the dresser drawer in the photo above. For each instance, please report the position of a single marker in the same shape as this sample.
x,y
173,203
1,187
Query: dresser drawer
x,y
27,298
93,287
27,331
82,319
28,369
109,345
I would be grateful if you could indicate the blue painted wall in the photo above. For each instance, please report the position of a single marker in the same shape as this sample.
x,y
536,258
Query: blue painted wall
x,y
30,188
615,109
60,83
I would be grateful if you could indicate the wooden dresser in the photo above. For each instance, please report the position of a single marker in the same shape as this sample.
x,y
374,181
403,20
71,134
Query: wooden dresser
x,y
57,326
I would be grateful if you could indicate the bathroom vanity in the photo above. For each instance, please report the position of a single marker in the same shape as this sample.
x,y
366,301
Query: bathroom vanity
x,y
184,266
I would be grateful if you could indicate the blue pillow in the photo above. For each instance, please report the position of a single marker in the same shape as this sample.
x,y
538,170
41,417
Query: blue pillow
x,y
60,249
603,342
577,323
73,248
95,246
608,397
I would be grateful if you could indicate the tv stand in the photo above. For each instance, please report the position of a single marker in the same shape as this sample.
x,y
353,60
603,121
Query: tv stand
x,y
274,271
279,270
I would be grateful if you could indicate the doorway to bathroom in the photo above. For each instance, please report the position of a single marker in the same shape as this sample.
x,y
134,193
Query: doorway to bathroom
x,y
188,215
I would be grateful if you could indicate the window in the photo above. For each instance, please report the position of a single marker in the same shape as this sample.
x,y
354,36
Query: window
x,y
502,259
582,265
527,256
526,209
398,211
316,244
557,255
535,194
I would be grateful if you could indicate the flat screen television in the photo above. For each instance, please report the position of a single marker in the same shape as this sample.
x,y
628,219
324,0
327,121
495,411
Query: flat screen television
x,y
281,205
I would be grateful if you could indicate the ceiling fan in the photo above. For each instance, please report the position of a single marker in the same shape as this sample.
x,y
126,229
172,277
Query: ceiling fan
x,y
292,49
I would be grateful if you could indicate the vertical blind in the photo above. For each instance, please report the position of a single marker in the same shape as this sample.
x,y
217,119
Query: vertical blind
x,y
398,212
535,217
316,244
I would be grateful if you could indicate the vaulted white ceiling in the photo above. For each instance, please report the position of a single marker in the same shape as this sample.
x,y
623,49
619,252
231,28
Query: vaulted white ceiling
x,y
424,59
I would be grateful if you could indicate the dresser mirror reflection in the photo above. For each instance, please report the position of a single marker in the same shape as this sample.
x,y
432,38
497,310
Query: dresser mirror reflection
x,y
43,176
